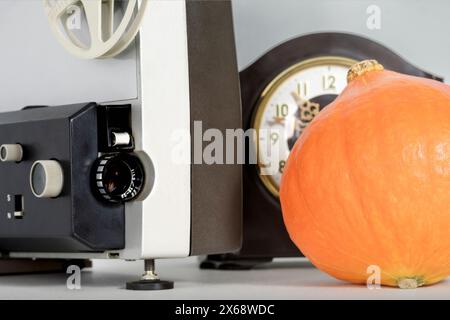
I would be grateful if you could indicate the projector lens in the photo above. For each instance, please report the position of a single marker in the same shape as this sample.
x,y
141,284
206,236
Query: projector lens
x,y
119,177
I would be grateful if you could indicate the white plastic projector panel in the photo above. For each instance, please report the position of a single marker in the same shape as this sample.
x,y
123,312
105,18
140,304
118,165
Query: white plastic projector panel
x,y
165,112
36,70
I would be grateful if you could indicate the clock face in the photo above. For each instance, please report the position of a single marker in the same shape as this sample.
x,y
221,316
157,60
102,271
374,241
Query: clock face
x,y
288,104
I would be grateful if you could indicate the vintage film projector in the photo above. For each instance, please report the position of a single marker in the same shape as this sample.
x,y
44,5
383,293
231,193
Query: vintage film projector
x,y
88,169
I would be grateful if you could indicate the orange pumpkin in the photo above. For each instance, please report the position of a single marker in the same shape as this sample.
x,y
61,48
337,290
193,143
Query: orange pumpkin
x,y
368,182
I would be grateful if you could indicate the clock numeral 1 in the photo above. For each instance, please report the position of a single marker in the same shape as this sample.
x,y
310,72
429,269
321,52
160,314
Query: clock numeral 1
x,y
329,82
282,110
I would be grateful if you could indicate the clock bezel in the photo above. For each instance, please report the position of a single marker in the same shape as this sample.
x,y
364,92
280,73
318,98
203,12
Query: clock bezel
x,y
263,100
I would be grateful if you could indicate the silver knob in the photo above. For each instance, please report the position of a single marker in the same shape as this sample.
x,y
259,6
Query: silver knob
x,y
46,179
11,152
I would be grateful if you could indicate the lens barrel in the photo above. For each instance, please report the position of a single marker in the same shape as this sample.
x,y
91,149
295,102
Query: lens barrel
x,y
118,177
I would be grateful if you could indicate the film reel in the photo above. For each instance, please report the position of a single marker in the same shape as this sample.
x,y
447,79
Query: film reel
x,y
106,38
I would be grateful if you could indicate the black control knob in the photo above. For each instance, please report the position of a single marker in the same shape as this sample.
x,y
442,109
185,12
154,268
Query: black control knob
x,y
119,177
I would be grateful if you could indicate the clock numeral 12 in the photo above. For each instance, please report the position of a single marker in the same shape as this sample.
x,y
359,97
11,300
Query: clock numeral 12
x,y
329,82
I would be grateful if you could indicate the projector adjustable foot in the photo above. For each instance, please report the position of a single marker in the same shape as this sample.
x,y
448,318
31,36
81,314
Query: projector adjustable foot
x,y
149,280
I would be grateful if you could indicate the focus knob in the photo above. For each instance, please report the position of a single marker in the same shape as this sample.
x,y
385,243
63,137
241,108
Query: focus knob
x,y
11,152
46,179
119,177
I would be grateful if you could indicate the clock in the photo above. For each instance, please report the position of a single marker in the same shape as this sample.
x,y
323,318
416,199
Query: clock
x,y
282,92
288,104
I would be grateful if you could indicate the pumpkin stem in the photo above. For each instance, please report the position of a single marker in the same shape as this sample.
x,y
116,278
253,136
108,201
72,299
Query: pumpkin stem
x,y
360,68
410,283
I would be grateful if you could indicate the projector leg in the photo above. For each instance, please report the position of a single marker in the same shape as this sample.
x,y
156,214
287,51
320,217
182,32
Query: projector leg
x,y
149,280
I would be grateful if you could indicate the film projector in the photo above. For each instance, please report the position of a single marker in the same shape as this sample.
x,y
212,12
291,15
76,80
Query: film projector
x,y
91,104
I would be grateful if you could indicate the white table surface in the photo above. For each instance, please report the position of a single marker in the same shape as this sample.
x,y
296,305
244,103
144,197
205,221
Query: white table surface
x,y
285,279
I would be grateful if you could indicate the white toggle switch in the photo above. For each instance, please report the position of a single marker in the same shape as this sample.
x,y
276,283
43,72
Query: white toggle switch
x,y
46,178
121,139
11,152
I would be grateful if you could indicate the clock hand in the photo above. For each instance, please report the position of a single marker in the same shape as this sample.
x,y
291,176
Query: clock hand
x,y
307,109
277,120
301,102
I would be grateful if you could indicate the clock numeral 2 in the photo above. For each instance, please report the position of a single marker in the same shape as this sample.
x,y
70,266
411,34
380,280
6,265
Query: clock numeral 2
x,y
329,82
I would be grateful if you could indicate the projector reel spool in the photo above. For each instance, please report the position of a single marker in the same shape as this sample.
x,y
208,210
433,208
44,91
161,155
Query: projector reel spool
x,y
101,25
